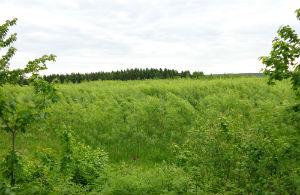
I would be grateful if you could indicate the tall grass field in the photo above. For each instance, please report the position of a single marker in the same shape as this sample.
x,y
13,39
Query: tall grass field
x,y
181,136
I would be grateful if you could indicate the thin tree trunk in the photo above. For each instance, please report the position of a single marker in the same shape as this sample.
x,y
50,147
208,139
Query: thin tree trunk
x,y
13,133
12,173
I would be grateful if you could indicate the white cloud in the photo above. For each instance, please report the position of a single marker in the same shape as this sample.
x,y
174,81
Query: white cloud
x,y
214,36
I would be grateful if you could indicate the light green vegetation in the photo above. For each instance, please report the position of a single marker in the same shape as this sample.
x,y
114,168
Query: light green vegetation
x,y
157,131
140,120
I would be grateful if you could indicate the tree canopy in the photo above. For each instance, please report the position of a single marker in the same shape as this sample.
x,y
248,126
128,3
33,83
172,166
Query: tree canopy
x,y
282,62
15,115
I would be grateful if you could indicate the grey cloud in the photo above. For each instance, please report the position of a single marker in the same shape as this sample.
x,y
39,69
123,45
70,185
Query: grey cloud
x,y
69,41
167,32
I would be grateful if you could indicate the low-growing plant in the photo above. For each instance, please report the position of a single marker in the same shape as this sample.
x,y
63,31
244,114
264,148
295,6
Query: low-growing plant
x,y
78,170
83,164
160,179
227,160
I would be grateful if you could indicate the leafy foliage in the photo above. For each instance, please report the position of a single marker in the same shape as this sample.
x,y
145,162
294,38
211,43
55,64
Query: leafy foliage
x,y
282,64
232,136
15,115
160,179
78,169
19,164
83,164
227,160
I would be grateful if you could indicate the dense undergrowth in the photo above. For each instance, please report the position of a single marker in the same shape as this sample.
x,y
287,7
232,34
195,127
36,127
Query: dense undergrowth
x,y
184,136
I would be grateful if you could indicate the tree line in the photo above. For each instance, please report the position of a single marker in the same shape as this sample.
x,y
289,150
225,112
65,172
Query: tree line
x,y
132,74
128,74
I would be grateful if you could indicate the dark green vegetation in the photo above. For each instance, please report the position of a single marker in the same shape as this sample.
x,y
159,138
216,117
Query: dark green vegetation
x,y
183,136
124,75
282,62
132,74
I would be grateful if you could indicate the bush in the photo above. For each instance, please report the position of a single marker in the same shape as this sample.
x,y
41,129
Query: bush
x,y
79,161
163,179
75,173
252,161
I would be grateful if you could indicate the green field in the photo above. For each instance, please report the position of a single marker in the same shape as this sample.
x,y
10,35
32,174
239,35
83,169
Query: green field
x,y
183,136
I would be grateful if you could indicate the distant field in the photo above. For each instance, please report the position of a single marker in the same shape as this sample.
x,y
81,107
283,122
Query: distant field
x,y
139,122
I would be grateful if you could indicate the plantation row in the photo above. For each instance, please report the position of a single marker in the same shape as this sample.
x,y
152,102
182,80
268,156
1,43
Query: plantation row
x,y
184,136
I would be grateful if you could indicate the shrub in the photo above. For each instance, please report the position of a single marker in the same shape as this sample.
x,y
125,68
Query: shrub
x,y
79,161
162,179
252,161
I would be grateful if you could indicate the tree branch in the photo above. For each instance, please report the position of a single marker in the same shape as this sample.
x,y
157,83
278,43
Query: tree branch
x,y
6,123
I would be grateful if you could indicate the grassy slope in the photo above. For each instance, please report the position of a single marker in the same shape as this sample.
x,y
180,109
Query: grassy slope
x,y
140,120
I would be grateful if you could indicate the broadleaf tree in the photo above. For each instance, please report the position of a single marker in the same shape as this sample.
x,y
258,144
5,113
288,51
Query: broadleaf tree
x,y
282,62
15,115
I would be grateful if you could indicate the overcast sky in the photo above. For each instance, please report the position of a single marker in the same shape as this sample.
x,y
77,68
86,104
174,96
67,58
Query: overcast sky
x,y
213,36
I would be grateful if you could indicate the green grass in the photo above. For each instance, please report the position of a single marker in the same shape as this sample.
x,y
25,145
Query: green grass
x,y
139,122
